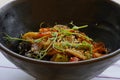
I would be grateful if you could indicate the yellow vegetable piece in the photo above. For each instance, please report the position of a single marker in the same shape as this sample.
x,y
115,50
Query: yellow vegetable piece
x,y
31,35
60,58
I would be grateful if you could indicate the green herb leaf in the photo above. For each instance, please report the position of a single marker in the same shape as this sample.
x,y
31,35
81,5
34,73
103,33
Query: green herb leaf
x,y
58,47
66,43
78,27
7,37
41,24
44,52
54,34
39,40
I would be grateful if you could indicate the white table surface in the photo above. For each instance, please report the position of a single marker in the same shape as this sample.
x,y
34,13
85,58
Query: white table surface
x,y
9,71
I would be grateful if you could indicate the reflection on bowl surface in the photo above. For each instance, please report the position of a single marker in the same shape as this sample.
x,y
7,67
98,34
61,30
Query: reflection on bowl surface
x,y
23,16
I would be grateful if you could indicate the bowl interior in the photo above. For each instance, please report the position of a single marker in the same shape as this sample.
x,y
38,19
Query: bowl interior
x,y
19,17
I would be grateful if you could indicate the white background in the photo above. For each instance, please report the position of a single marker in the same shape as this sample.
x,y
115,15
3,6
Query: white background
x,y
9,71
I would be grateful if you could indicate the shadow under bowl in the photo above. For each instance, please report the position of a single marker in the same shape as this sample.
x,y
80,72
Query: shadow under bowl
x,y
25,15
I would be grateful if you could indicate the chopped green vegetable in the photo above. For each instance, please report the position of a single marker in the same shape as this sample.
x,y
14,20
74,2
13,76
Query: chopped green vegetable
x,y
58,47
54,34
66,32
86,44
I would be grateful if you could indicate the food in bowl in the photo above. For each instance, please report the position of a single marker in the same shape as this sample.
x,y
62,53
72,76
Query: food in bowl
x,y
60,43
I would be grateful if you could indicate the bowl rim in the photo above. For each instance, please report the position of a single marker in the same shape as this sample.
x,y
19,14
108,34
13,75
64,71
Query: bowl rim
x,y
4,49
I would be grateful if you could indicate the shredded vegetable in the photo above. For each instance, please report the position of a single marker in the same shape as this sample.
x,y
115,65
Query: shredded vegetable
x,y
60,44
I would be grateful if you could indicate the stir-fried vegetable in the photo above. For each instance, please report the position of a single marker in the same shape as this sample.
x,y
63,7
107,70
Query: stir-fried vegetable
x,y
60,44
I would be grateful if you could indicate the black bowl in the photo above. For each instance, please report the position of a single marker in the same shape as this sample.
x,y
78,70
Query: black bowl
x,y
21,16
